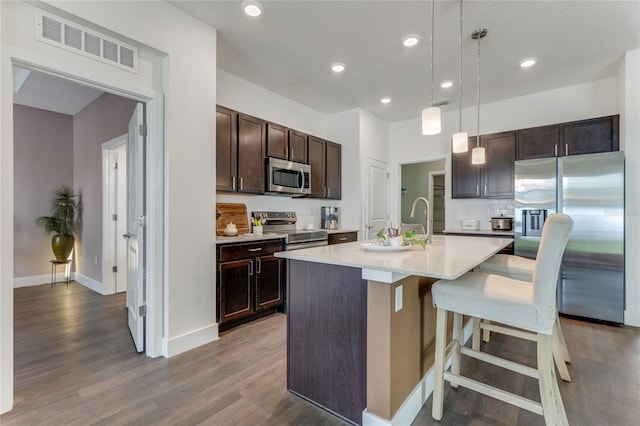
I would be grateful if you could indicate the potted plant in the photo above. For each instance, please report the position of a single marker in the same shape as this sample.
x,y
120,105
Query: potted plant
x,y
64,209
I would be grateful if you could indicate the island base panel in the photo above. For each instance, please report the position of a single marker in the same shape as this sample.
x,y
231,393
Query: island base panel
x,y
327,337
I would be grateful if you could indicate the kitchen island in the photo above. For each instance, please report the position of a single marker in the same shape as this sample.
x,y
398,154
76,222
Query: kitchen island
x,y
361,325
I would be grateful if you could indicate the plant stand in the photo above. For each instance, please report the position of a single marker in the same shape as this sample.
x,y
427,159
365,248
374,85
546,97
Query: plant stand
x,y
54,269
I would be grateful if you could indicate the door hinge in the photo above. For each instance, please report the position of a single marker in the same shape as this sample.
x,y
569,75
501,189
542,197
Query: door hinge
x,y
115,165
114,216
142,130
114,269
142,311
142,220
388,175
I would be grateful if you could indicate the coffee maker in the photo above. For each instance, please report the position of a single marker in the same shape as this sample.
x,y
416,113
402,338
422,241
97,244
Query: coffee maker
x,y
329,218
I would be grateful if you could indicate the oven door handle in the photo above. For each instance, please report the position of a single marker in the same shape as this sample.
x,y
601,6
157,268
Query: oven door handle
x,y
299,246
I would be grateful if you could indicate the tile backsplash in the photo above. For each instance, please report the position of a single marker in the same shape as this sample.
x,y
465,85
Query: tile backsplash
x,y
481,209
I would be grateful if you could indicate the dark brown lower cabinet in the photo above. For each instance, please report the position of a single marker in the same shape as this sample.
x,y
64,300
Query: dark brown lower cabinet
x,y
250,282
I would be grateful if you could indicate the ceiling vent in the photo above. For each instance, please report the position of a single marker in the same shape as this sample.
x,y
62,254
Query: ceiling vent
x,y
68,35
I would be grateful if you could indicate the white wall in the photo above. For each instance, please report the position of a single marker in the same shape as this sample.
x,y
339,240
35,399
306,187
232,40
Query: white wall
x,y
175,46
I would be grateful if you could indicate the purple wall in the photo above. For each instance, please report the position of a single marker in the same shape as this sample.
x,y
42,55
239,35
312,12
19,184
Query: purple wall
x,y
42,161
104,119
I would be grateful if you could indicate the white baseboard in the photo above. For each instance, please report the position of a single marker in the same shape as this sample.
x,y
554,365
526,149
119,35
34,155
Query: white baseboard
x,y
193,339
632,318
39,280
90,283
416,399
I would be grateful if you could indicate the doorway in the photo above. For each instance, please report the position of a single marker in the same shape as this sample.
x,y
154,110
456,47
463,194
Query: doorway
x,y
428,180
114,214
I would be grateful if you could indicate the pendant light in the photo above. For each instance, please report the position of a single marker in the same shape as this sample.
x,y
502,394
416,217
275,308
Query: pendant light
x,y
460,140
478,153
431,115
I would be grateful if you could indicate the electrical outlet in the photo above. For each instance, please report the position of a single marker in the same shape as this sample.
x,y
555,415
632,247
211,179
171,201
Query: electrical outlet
x,y
398,298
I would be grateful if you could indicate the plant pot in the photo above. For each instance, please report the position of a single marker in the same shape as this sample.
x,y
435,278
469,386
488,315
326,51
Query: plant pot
x,y
62,246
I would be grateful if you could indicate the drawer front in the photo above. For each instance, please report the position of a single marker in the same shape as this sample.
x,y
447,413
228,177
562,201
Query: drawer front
x,y
343,237
248,250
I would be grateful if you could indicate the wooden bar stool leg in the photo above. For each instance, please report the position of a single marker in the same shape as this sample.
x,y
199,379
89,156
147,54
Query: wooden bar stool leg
x,y
457,336
563,344
556,348
552,407
486,334
475,339
438,367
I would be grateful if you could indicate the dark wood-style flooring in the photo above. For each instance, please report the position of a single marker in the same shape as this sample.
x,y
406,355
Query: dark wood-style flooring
x,y
75,365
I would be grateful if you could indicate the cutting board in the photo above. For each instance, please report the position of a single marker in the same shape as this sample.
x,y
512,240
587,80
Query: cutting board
x,y
232,212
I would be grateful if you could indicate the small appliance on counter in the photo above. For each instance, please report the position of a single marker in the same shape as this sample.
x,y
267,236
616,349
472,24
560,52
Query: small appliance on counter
x,y
501,223
329,218
470,224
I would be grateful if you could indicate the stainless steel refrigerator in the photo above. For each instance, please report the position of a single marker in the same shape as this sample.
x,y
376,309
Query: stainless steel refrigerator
x,y
589,188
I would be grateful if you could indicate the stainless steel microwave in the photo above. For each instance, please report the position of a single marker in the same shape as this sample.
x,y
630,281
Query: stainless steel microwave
x,y
288,177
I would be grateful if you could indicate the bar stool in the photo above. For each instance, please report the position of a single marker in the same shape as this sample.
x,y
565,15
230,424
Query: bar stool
x,y
520,268
527,306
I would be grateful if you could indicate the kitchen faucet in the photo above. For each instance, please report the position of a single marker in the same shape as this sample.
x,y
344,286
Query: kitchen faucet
x,y
427,238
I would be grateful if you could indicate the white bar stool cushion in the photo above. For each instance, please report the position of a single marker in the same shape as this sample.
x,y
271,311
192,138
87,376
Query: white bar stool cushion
x,y
516,267
495,298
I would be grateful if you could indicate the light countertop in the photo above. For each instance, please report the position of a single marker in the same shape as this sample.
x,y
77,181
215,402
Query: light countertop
x,y
448,257
480,232
246,238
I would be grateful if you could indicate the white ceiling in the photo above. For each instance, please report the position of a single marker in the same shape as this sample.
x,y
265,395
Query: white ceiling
x,y
289,49
40,90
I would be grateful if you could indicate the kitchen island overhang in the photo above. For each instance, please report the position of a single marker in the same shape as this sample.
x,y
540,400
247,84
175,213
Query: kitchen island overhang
x,y
361,325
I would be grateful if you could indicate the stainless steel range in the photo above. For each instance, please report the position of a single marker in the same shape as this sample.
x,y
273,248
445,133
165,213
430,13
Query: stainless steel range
x,y
285,223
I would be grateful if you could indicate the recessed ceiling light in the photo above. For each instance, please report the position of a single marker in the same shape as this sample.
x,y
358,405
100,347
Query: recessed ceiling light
x,y
385,100
446,84
526,63
410,40
252,8
338,67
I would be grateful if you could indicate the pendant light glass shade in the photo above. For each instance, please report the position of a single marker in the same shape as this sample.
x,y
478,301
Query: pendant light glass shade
x,y
477,155
431,117
431,121
459,142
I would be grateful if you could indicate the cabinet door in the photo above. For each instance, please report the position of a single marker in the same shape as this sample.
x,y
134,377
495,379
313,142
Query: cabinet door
x,y
226,149
269,282
317,161
333,177
297,146
498,173
277,141
465,177
236,289
538,142
251,154
591,136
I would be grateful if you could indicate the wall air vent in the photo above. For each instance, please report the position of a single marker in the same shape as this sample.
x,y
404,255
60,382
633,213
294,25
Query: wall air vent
x,y
68,35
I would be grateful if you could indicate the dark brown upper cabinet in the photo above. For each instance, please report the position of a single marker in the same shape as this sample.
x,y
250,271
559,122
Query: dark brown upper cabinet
x,y
226,149
325,159
498,171
286,144
591,136
298,146
240,152
495,178
573,138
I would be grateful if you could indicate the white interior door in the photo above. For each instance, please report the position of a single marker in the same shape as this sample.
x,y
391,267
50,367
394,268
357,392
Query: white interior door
x,y
121,215
135,227
377,197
